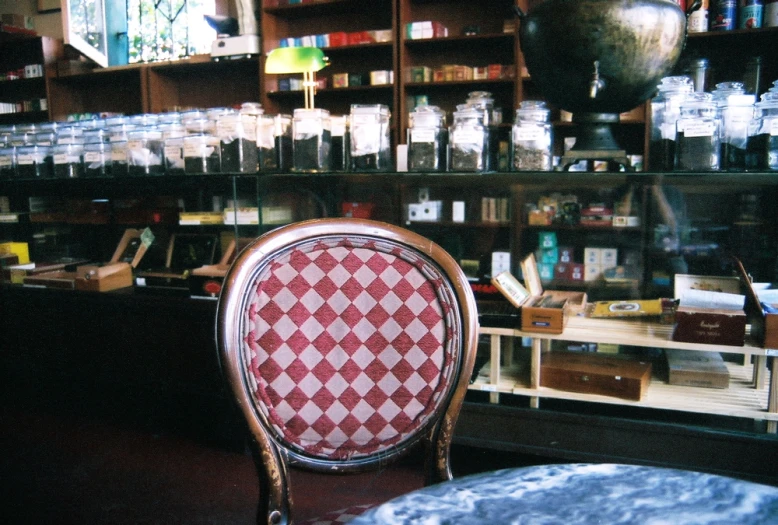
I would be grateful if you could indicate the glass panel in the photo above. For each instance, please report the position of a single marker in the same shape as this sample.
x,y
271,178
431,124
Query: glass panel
x,y
83,27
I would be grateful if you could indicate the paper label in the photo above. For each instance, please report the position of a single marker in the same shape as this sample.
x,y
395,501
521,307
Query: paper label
x,y
702,129
423,135
93,156
774,128
467,136
528,133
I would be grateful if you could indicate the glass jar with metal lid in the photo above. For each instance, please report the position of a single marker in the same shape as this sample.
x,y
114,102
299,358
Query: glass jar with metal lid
x,y
427,139
532,137
698,138
484,101
737,110
311,140
145,151
665,112
762,147
468,141
369,137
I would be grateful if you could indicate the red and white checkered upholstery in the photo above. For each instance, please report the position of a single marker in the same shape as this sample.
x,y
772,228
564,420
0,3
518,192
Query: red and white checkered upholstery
x,y
349,345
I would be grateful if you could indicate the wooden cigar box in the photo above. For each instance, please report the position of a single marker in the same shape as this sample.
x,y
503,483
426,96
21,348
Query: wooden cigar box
x,y
592,373
116,273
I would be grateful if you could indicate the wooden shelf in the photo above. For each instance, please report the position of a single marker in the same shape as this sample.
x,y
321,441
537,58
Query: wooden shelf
x,y
741,399
746,396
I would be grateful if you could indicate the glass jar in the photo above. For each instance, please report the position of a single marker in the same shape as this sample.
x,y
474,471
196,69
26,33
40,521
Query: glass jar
x,y
173,139
32,162
341,143
143,120
736,108
118,135
532,137
70,135
469,139
484,101
237,134
145,151
665,111
7,163
427,139
67,161
274,142
97,159
698,138
369,137
762,147
311,140
201,154
96,135
46,138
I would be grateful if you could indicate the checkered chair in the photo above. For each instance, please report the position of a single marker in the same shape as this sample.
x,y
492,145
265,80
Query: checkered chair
x,y
346,343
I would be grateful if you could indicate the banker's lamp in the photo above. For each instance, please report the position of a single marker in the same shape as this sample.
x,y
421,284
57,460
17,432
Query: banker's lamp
x,y
305,60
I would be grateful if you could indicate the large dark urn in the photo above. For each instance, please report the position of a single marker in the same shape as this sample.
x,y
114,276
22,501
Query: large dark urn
x,y
599,58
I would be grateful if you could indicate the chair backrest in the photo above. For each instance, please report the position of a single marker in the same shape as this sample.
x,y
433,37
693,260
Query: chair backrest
x,y
345,343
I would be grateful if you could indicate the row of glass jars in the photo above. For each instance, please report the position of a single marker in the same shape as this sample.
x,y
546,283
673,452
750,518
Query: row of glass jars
x,y
471,142
722,130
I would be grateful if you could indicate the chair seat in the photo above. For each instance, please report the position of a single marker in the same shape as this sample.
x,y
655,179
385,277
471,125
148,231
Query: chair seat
x,y
337,517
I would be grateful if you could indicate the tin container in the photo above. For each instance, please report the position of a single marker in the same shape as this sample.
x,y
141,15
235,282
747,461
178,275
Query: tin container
x,y
723,15
750,13
770,18
698,20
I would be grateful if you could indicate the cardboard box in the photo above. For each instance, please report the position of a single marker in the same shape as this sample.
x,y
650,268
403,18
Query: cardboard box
x,y
713,326
591,373
700,369
20,249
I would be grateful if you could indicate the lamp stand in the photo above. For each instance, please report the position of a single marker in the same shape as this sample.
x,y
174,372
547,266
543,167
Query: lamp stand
x,y
309,87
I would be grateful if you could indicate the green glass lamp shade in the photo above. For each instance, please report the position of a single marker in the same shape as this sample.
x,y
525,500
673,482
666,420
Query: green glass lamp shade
x,y
295,60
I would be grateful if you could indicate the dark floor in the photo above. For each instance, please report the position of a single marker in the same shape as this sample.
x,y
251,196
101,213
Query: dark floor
x,y
66,470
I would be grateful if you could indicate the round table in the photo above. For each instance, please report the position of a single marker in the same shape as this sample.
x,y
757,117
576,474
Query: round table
x,y
583,494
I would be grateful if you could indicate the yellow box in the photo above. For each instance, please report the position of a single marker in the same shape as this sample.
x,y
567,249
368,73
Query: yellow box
x,y
20,249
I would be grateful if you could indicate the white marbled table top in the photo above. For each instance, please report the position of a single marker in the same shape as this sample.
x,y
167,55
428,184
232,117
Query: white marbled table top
x,y
583,494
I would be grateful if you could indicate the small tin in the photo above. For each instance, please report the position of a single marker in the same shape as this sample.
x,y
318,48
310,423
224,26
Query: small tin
x,y
723,15
750,14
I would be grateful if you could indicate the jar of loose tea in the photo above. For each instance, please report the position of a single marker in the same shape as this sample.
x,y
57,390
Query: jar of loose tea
x,y
698,137
427,139
369,135
145,151
173,137
532,137
762,147
469,141
341,143
237,134
737,110
484,101
665,112
118,134
202,148
67,160
311,140
70,135
32,163
97,159
7,162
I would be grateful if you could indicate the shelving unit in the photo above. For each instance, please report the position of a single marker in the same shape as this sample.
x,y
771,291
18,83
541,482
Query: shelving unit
x,y
16,52
747,395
